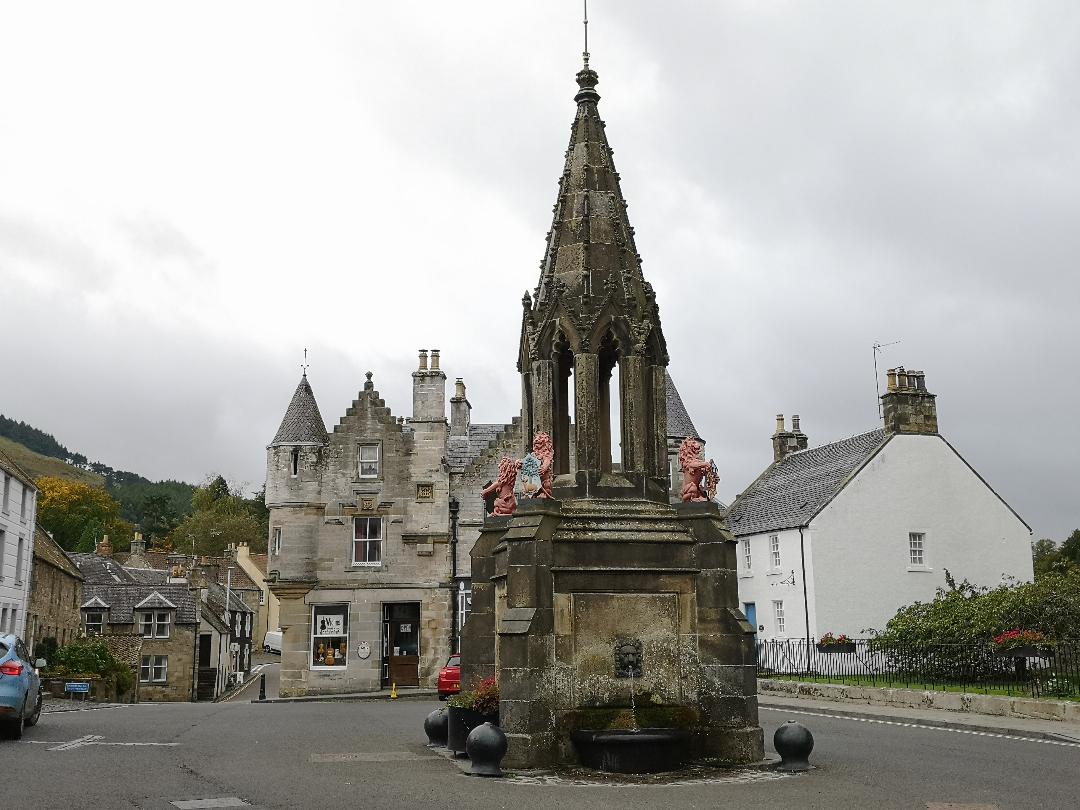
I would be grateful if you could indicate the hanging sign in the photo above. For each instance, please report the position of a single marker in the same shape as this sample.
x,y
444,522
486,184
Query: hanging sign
x,y
331,625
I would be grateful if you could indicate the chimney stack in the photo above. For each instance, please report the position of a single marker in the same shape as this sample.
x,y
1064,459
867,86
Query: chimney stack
x,y
429,390
784,441
460,410
906,404
104,547
802,441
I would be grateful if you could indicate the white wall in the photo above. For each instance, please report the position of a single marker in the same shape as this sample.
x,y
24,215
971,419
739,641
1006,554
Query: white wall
x,y
860,540
763,584
17,521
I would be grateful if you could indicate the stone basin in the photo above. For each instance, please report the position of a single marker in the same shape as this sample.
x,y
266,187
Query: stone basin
x,y
644,750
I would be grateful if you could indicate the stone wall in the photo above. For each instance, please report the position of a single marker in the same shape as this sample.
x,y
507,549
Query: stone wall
x,y
53,611
180,677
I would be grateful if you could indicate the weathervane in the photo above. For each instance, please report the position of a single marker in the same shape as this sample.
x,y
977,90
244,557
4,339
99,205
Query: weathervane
x,y
585,53
304,365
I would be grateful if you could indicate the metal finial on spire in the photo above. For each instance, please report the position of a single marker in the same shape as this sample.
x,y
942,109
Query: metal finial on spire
x,y
304,365
585,53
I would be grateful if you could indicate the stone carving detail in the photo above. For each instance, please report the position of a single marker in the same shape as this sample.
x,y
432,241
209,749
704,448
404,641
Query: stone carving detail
x,y
628,658
700,477
503,488
536,472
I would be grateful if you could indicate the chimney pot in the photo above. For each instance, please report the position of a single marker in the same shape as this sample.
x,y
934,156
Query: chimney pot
x,y
434,359
891,374
459,388
780,423
795,423
902,378
423,359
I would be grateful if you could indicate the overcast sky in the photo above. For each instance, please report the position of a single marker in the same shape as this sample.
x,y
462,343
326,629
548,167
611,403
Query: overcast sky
x,y
191,193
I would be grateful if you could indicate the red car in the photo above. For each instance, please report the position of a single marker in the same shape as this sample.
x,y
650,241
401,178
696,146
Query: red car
x,y
450,678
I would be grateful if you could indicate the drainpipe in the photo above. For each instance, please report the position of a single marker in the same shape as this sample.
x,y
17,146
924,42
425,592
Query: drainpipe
x,y
454,507
805,600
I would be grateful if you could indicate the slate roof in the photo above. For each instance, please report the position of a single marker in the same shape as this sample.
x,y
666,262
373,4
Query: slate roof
x,y
148,576
790,492
96,569
215,601
48,551
463,451
261,561
122,599
679,423
303,424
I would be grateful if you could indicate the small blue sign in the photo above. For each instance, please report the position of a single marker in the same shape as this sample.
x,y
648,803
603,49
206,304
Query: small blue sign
x,y
76,687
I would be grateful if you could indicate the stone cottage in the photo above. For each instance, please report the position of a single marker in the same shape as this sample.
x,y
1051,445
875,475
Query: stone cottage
x,y
371,525
56,589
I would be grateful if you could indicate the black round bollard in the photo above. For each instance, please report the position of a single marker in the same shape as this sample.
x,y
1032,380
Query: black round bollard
x,y
262,686
793,742
435,727
486,746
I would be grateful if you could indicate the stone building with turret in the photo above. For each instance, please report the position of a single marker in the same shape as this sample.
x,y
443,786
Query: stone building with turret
x,y
372,581
836,538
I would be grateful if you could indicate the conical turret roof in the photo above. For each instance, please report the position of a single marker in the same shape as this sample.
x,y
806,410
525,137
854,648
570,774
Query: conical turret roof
x,y
591,264
303,424
679,423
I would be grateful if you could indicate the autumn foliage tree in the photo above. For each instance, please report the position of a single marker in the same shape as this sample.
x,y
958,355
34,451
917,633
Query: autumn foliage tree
x,y
78,515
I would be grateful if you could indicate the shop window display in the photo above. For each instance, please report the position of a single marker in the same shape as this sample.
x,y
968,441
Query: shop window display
x,y
329,636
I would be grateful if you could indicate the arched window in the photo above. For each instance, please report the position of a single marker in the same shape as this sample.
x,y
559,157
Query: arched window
x,y
295,462
563,407
609,404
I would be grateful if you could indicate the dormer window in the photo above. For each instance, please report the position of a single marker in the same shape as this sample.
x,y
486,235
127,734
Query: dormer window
x,y
154,623
295,463
94,622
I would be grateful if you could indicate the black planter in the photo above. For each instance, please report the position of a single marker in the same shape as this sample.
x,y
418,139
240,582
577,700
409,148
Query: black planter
x,y
837,648
435,727
460,722
793,742
486,747
646,750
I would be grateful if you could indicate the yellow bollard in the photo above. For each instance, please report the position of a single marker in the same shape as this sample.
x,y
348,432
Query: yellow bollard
x,y
393,691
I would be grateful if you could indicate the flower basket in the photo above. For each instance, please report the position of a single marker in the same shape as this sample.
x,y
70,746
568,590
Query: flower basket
x,y
837,647
1022,644
1025,651
467,710
835,644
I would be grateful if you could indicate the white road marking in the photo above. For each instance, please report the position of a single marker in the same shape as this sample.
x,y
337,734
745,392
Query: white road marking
x,y
92,739
382,756
920,725
200,804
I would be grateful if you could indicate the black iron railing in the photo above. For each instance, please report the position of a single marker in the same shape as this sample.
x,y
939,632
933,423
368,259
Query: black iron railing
x,y
1047,671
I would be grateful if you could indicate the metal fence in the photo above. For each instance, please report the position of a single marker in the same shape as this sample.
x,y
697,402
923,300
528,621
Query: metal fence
x,y
1048,671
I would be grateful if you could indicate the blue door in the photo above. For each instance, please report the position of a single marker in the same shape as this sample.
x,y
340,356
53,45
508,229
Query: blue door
x,y
750,610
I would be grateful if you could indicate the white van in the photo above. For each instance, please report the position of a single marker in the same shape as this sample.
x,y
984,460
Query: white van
x,y
272,641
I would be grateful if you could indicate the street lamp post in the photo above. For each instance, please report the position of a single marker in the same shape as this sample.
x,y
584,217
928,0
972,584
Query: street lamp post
x,y
455,506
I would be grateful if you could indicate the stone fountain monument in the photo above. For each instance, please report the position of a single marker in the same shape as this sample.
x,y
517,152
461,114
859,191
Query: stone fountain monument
x,y
598,605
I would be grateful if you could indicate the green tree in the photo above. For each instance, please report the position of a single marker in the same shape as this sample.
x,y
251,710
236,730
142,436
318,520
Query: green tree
x,y
73,511
1070,549
220,516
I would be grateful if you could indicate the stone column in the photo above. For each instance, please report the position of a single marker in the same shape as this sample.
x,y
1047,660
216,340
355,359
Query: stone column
x,y
586,368
543,390
632,399
656,431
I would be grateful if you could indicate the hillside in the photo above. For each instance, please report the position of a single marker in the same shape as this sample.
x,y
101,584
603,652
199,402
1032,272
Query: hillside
x,y
38,465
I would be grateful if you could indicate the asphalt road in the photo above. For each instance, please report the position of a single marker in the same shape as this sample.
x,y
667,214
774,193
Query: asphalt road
x,y
371,755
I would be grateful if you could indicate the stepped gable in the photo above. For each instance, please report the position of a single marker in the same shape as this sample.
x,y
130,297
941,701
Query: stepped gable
x,y
303,423
369,397
791,491
465,451
679,424
591,266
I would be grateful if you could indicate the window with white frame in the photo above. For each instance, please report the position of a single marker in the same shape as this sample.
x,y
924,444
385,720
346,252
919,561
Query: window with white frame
x,y
368,460
7,490
367,541
774,551
22,504
3,542
748,560
329,636
262,597
154,669
19,561
778,617
916,548
154,623
94,622
275,541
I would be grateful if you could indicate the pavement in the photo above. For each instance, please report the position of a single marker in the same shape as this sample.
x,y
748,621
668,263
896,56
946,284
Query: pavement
x,y
371,754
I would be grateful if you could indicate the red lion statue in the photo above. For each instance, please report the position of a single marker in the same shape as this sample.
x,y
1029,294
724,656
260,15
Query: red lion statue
x,y
699,476
503,488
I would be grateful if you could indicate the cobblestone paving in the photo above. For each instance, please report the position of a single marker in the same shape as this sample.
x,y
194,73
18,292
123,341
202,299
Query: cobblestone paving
x,y
61,705
690,776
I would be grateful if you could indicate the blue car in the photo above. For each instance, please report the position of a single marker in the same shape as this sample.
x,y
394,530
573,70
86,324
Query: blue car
x,y
20,686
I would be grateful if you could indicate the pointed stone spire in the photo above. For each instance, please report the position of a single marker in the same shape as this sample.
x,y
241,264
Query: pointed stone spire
x,y
303,424
593,311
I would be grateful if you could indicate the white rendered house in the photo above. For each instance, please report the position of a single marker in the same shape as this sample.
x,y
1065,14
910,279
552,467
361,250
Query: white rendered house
x,y
837,538
18,511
